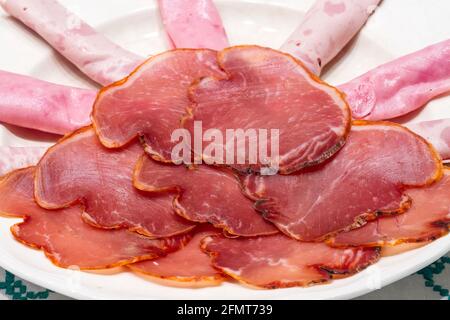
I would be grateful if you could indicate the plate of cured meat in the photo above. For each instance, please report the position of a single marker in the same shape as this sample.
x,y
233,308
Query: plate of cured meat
x,y
218,149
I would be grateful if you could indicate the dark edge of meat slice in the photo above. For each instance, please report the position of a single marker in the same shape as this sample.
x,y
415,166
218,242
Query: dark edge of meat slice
x,y
444,230
436,157
178,207
149,151
326,155
358,222
214,280
86,217
191,281
264,208
208,280
102,91
41,203
329,273
137,168
363,218
343,273
183,239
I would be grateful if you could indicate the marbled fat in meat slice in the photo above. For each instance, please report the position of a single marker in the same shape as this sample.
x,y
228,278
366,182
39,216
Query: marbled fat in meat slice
x,y
79,169
189,265
278,261
66,240
427,219
365,179
267,89
152,100
205,194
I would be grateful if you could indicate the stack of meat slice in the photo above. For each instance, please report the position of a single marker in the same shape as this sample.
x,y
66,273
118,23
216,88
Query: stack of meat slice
x,y
109,194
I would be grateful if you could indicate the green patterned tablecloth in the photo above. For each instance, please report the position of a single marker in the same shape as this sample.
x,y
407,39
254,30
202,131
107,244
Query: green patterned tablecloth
x,y
432,282
14,288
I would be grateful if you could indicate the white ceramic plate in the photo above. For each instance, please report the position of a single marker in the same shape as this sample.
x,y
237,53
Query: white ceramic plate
x,y
397,28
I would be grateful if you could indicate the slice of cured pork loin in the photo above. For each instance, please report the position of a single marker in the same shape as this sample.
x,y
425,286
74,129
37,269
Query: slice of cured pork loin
x,y
204,194
79,169
365,179
427,219
278,261
271,90
188,266
66,239
152,100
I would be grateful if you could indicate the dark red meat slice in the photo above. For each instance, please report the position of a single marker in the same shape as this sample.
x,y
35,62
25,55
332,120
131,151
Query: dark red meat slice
x,y
427,219
278,261
79,169
267,89
366,178
152,100
66,240
189,265
205,194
